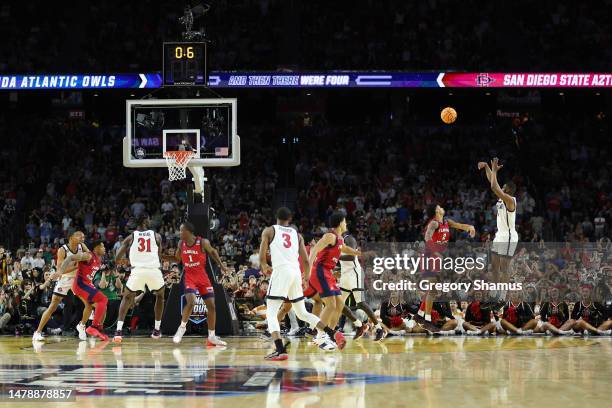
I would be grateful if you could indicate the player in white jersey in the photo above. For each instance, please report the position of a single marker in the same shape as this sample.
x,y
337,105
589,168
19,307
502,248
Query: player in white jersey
x,y
286,250
506,237
144,246
63,287
351,284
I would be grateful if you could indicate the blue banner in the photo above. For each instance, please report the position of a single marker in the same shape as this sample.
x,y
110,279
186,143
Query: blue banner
x,y
371,79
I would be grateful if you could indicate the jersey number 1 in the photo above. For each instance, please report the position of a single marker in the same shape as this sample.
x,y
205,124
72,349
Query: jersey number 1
x,y
144,245
287,238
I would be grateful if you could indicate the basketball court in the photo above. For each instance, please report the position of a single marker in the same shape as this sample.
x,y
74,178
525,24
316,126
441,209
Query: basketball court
x,y
420,371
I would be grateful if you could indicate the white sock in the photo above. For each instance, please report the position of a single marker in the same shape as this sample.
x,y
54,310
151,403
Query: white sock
x,y
211,333
378,326
157,324
357,323
183,325
428,317
119,325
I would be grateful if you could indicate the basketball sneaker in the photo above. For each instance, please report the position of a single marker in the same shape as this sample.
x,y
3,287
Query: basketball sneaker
x,y
293,332
156,334
118,337
38,336
81,330
213,341
361,330
95,332
276,356
340,340
380,334
179,334
324,342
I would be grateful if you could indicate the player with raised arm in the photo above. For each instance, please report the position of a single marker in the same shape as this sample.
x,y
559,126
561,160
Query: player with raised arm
x,y
88,263
63,286
323,257
506,237
437,235
144,247
351,284
286,247
192,251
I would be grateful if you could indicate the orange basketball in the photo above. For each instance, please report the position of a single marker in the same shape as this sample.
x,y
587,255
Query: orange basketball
x,y
448,115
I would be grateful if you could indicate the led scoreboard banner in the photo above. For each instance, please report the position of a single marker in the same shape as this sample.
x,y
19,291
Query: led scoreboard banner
x,y
184,64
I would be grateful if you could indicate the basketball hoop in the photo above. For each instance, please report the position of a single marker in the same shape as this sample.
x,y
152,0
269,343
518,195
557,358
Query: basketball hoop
x,y
177,161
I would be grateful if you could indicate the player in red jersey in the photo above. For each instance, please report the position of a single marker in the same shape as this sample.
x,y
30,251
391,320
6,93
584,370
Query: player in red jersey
x,y
437,235
192,251
324,256
88,264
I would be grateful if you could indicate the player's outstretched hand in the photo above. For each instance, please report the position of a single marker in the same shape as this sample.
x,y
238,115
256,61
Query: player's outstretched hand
x,y
495,166
482,165
472,231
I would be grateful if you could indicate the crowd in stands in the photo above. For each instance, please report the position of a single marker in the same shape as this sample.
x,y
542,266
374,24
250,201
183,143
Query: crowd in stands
x,y
273,34
392,173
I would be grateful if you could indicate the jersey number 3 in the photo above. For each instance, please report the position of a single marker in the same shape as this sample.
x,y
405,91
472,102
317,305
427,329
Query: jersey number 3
x,y
144,245
287,238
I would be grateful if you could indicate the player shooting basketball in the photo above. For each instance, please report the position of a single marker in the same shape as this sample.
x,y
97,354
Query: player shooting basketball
x,y
506,237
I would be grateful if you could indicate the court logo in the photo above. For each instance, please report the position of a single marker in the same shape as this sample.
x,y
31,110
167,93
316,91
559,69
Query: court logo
x,y
195,380
484,80
199,314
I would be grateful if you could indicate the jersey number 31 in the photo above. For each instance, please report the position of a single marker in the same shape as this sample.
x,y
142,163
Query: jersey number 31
x,y
144,245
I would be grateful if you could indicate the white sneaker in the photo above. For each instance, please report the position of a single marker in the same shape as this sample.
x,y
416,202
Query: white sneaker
x,y
215,341
179,334
81,329
320,338
324,342
38,336
293,332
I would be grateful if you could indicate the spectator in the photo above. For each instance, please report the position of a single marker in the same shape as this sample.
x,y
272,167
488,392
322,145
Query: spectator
x,y
110,282
38,261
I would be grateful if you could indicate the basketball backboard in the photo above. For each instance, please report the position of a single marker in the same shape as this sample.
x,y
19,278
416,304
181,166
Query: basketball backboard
x,y
207,126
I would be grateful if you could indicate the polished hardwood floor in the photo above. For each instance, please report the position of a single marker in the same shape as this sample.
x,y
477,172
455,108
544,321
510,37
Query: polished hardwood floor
x,y
399,372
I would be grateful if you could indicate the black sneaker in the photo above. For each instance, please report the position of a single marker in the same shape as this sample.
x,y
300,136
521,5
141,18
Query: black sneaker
x,y
310,333
379,334
276,356
302,332
156,334
361,330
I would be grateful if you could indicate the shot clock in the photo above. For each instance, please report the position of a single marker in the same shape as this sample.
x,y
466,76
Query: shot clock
x,y
184,64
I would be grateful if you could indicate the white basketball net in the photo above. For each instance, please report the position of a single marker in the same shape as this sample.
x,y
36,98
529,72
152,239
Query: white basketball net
x,y
177,162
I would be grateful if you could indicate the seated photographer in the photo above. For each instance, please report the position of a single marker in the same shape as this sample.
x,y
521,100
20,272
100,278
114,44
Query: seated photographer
x,y
7,309
27,306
